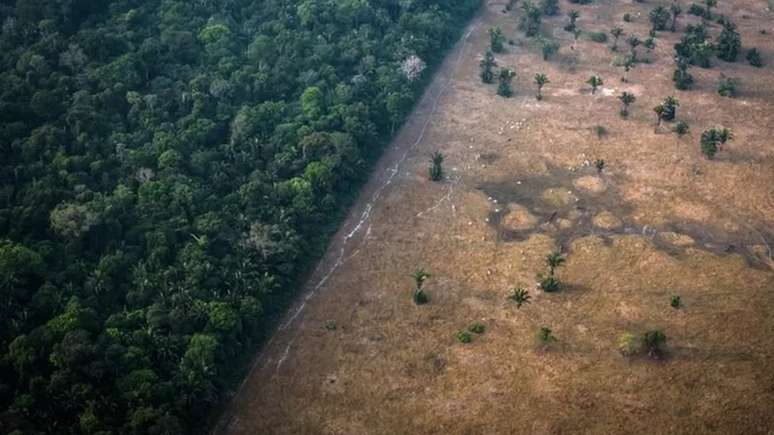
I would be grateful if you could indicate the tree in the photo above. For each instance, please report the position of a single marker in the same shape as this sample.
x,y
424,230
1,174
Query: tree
x,y
670,108
595,82
487,65
549,47
573,16
436,168
659,110
633,42
654,341
676,10
713,139
540,80
754,57
504,86
545,337
420,276
549,282
549,7
627,99
729,42
682,78
554,260
727,86
659,18
496,40
616,32
520,296
710,4
627,65
530,19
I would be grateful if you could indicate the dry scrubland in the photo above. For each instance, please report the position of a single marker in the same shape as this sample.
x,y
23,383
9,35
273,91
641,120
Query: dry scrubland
x,y
661,220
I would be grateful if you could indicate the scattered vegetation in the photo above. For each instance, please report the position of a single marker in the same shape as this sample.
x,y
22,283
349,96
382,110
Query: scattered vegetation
x,y
549,47
616,32
600,37
599,164
713,139
520,296
330,325
530,19
676,11
682,78
545,337
540,80
633,42
600,131
477,328
436,166
464,337
727,86
627,17
659,111
729,42
682,128
550,283
549,7
573,16
670,105
695,47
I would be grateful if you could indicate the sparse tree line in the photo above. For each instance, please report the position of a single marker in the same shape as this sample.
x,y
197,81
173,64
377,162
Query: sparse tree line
x,y
169,170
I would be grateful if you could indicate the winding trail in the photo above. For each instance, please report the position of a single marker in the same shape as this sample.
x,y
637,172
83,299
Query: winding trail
x,y
349,239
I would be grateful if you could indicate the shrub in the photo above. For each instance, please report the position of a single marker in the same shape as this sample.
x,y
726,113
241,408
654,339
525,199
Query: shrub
x,y
420,297
670,105
600,165
697,10
520,296
487,64
436,166
549,7
729,42
600,37
330,325
504,85
629,344
682,78
464,337
477,328
682,128
659,17
549,283
627,18
601,131
496,39
675,302
754,58
545,336
549,47
530,19
727,86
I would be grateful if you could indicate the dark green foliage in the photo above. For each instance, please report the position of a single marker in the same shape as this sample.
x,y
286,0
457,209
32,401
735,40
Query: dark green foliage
x,y
599,164
463,337
540,80
627,17
633,41
550,283
530,18
436,166
520,296
754,57
477,328
616,32
682,78
600,131
627,99
545,336
676,11
670,106
729,42
419,296
330,325
654,341
549,7
169,171
713,139
682,128
727,86
600,37
594,82
695,46
496,40
581,2
487,66
650,43
573,16
504,85
699,11
549,47
675,302
659,18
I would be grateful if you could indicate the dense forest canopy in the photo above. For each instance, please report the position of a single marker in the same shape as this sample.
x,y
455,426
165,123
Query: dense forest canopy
x,y
168,168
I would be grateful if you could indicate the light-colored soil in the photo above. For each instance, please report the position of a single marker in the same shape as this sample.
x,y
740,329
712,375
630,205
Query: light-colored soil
x,y
688,226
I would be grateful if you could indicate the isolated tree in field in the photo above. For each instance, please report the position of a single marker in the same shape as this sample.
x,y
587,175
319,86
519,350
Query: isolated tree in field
x,y
670,108
520,296
487,65
530,19
727,86
616,32
682,128
549,47
436,166
595,82
729,42
504,87
571,26
549,282
713,139
496,39
554,260
549,7
659,111
659,18
655,341
540,80
754,57
420,276
627,99
676,10
682,78
633,42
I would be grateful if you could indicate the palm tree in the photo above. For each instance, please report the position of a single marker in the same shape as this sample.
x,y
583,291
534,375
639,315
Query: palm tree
x,y
724,135
670,108
486,64
628,64
595,82
573,16
436,170
616,32
659,110
540,80
554,260
627,99
520,296
420,276
676,11
504,86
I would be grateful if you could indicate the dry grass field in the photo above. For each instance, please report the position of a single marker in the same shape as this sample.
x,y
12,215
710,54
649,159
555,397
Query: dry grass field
x,y
357,356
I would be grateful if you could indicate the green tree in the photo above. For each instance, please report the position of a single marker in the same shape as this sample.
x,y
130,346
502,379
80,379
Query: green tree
x,y
530,18
573,16
633,42
487,65
520,296
627,99
616,32
675,10
595,82
436,166
504,86
549,47
654,341
496,40
540,80
754,57
659,111
659,18
729,42
670,105
549,7
420,297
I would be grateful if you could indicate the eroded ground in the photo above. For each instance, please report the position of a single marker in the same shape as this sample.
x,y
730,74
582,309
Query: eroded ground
x,y
660,220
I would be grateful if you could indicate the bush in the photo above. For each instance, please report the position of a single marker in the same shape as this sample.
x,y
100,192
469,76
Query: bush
x,y
727,86
549,283
601,131
549,47
682,128
729,42
675,302
627,18
629,344
420,297
549,7
654,341
600,37
545,336
464,336
754,58
477,328
697,10
659,17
